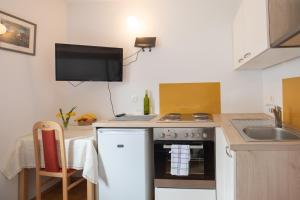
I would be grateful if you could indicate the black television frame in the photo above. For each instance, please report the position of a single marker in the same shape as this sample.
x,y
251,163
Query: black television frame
x,y
80,48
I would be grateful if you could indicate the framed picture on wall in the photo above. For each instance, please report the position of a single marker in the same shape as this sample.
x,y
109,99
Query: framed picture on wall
x,y
19,35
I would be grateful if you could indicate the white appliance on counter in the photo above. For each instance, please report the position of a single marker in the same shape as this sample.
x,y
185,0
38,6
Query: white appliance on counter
x,y
125,164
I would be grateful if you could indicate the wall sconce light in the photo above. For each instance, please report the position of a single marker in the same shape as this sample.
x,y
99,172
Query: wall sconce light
x,y
145,42
141,42
2,29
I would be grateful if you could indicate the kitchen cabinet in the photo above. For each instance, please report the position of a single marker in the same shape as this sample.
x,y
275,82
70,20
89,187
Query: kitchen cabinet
x,y
225,168
284,28
251,38
238,35
256,174
250,27
267,175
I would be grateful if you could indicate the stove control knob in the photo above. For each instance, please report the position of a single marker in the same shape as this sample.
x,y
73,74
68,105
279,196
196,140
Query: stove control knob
x,y
186,135
170,134
204,135
195,135
174,135
162,135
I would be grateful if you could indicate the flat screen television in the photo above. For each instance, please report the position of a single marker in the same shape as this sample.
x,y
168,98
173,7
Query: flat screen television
x,y
88,63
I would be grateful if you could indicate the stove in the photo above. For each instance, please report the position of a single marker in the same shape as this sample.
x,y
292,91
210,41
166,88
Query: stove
x,y
201,141
192,117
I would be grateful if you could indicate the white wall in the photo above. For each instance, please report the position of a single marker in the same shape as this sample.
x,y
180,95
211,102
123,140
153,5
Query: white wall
x,y
27,82
272,81
194,45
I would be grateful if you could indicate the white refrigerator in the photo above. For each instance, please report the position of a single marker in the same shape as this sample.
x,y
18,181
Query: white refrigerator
x,y
125,164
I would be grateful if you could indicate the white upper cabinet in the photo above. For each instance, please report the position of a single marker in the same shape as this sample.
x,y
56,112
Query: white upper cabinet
x,y
251,41
256,28
238,35
250,31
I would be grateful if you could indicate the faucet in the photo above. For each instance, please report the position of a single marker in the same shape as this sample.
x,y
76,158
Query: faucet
x,y
278,116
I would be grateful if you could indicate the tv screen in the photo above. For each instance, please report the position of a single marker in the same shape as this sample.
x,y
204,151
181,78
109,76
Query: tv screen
x,y
88,63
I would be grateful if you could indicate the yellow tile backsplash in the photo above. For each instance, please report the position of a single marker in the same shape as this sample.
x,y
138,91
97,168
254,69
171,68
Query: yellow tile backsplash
x,y
291,102
190,97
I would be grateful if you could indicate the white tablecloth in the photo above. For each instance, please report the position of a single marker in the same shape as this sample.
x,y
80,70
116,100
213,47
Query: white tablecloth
x,y
80,151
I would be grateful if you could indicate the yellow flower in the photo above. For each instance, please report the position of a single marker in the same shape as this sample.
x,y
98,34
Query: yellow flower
x,y
58,115
72,114
66,116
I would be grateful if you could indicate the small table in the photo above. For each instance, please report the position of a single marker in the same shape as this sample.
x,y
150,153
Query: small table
x,y
80,144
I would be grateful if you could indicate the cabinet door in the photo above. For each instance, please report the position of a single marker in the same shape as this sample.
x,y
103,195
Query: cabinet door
x,y
256,28
238,38
250,31
225,168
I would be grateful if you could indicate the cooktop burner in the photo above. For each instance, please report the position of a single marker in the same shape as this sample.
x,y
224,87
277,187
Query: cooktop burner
x,y
205,117
173,116
201,116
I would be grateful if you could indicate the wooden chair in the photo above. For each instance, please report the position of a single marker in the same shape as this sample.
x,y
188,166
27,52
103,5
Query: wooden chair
x,y
48,130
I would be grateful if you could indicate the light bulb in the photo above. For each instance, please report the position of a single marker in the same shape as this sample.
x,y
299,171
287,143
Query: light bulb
x,y
133,23
2,29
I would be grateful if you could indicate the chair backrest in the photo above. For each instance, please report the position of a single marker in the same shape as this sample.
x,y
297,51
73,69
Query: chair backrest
x,y
48,130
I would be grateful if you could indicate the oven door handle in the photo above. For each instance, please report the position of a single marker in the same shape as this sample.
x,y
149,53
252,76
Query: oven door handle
x,y
191,146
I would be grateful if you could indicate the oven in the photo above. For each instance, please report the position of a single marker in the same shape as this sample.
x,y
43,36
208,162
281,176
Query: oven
x,y
201,143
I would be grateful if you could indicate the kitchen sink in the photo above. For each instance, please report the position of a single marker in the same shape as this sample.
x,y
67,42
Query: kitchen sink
x,y
269,134
259,130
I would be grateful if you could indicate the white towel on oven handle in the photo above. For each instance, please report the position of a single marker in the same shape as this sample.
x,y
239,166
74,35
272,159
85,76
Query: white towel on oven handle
x,y
180,159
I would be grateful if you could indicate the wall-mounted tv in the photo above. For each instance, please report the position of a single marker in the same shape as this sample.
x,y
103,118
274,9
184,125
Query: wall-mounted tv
x,y
88,63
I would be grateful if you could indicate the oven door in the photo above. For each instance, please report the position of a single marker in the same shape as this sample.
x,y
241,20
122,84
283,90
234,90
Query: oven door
x,y
201,169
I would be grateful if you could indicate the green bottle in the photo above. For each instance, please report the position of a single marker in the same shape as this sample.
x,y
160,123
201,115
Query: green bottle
x,y
146,104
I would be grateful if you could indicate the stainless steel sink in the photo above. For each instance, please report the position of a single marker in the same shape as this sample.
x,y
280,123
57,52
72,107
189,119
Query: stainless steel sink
x,y
256,130
269,134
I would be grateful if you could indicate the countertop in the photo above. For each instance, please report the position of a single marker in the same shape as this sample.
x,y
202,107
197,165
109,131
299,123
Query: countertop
x,y
154,123
234,139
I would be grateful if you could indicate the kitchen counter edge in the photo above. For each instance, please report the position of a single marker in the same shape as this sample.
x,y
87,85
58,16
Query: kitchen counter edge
x,y
235,141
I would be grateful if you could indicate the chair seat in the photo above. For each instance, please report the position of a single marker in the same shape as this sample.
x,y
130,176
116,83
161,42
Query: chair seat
x,y
70,172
